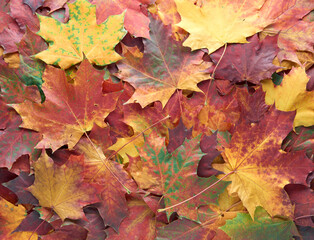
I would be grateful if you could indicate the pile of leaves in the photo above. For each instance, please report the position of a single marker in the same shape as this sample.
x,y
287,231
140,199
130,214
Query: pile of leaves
x,y
152,119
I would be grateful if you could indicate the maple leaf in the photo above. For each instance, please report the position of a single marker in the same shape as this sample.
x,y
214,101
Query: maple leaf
x,y
110,181
259,169
216,23
250,62
68,43
262,227
175,175
10,218
136,21
61,187
64,119
291,95
140,223
165,67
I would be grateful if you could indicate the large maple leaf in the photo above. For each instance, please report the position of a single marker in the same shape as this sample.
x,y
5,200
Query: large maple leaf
x,y
175,175
165,67
135,22
215,23
65,118
250,62
68,43
259,169
292,95
61,187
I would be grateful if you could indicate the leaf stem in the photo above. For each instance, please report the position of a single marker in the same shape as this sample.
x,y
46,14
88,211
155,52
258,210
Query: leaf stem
x,y
204,190
305,216
44,220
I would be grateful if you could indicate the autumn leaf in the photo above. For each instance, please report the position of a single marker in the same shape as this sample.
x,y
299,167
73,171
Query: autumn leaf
x,y
61,188
136,21
291,95
216,23
258,169
68,43
10,218
63,120
140,223
175,175
250,62
165,67
263,227
110,180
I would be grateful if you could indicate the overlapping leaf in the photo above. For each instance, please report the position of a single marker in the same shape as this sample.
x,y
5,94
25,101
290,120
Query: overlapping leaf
x,y
216,23
65,112
81,36
259,169
165,67
175,175
61,188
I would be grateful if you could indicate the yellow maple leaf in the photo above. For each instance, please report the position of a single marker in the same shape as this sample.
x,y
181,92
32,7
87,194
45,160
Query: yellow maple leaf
x,y
218,22
291,95
61,187
68,43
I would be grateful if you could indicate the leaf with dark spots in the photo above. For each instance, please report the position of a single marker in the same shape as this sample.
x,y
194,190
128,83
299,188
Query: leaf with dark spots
x,y
259,169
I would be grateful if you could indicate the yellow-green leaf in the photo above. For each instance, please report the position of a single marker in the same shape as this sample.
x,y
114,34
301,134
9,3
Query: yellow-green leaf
x,y
81,35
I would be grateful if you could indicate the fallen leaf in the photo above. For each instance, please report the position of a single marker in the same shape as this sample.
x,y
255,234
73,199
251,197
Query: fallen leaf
x,y
61,188
251,62
139,224
262,227
216,23
165,68
291,95
63,120
71,41
258,169
175,175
